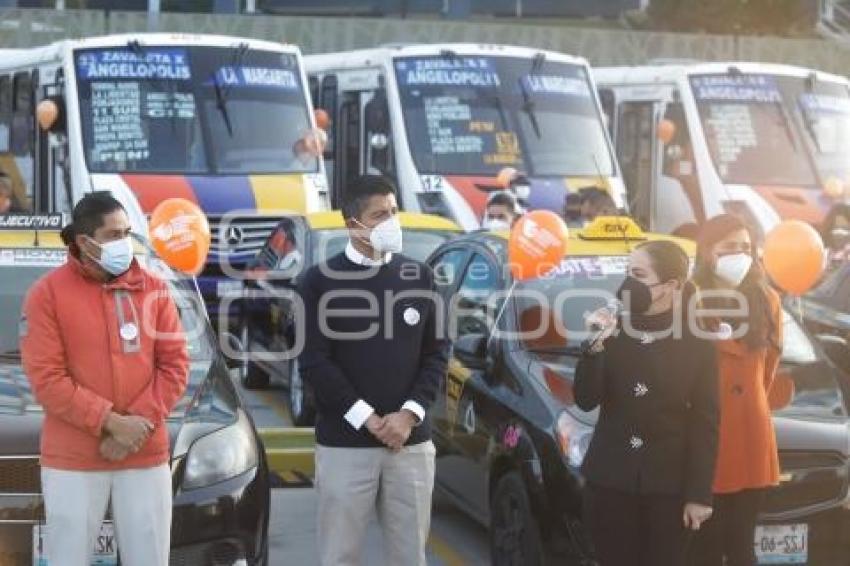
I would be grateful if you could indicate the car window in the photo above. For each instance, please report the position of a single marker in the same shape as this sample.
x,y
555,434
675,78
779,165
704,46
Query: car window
x,y
475,307
448,268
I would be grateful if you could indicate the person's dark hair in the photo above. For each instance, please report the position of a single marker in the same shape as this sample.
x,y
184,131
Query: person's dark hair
x,y
88,216
359,191
669,260
504,198
754,287
596,197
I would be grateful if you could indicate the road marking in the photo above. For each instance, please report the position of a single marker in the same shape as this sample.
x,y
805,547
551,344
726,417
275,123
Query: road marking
x,y
444,551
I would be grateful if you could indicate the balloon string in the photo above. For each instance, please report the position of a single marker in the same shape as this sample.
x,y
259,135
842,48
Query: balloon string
x,y
503,306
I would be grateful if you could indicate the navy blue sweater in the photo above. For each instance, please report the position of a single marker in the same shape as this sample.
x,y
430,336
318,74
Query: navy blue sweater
x,y
398,356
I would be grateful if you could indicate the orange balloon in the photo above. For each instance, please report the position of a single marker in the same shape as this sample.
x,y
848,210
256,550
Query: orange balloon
x,y
180,234
323,120
794,256
47,112
537,244
666,131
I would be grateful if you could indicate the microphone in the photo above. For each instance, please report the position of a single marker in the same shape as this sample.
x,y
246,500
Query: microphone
x,y
614,308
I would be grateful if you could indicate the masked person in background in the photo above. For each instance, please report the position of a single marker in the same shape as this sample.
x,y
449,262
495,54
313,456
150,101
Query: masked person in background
x,y
651,460
374,355
501,212
103,347
748,461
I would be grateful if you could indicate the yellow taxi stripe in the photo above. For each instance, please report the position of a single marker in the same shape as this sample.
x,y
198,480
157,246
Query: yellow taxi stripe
x,y
279,193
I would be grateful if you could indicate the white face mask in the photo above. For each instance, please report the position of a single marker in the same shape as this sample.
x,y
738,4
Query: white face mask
x,y
116,256
386,237
495,224
733,268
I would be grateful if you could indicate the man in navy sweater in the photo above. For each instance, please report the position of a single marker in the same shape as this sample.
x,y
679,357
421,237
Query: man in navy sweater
x,y
375,353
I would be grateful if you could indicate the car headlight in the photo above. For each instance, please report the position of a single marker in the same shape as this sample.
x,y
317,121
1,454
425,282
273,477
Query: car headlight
x,y
573,438
221,455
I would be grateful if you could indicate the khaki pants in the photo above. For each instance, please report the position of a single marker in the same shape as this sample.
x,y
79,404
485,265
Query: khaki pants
x,y
352,482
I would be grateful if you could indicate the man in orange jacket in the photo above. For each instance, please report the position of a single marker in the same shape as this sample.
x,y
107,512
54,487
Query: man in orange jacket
x,y
104,349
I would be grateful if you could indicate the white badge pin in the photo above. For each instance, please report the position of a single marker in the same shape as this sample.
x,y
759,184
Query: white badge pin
x,y
411,316
724,331
129,331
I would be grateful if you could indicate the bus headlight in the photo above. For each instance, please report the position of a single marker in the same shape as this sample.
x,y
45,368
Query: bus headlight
x,y
221,455
573,438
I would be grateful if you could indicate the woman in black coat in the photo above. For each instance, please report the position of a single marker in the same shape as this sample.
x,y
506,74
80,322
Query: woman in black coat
x,y
650,464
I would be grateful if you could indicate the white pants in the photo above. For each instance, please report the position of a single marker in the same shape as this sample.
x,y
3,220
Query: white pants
x,y
76,503
353,483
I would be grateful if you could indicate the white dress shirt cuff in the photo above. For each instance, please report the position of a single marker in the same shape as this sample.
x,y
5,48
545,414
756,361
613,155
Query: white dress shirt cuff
x,y
416,409
359,413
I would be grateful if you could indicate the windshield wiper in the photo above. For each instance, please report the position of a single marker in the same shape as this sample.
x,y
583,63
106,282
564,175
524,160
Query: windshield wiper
x,y
527,102
221,104
10,356
222,93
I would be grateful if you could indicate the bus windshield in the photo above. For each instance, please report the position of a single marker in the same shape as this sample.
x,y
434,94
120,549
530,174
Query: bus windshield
x,y
823,110
192,110
749,133
474,115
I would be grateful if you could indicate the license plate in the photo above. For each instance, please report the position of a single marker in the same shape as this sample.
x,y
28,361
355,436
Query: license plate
x,y
782,544
105,547
225,288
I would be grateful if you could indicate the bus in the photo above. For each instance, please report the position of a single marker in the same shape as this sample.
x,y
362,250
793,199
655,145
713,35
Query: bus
x,y
217,120
444,120
767,142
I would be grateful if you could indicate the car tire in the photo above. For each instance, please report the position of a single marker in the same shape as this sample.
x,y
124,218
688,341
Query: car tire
x,y
514,535
300,403
251,375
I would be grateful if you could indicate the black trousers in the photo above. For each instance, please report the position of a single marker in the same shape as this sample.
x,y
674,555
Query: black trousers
x,y
635,530
730,531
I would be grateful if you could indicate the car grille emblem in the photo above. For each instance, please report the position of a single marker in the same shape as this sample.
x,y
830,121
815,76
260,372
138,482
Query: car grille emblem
x,y
234,236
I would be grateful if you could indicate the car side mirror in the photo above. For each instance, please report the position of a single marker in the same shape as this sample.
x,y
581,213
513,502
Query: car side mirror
x,y
471,350
836,349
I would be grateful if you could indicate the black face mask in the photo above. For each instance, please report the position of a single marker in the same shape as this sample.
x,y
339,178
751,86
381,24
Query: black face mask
x,y
635,295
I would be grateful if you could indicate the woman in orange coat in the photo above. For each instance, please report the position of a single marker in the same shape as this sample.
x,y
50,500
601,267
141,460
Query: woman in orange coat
x,y
728,275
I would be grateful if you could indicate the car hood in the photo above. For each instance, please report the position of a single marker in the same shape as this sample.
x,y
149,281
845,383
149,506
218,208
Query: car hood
x,y
210,401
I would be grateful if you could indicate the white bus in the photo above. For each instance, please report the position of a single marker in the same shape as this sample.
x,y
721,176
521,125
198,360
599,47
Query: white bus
x,y
216,120
444,120
768,142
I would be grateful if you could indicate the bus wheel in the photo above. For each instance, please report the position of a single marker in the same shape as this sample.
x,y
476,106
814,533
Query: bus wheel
x,y
514,535
300,403
250,374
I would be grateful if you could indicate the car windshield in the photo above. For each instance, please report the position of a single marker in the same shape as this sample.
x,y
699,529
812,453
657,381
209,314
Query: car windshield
x,y
474,115
822,109
550,313
191,110
749,132
21,268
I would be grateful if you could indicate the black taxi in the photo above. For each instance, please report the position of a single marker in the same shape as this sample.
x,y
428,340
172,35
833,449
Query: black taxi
x,y
267,315
221,487
510,438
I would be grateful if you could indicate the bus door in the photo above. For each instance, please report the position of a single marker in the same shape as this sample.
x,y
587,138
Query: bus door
x,y
359,138
53,176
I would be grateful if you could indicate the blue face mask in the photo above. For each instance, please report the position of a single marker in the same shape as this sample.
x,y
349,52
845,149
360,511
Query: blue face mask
x,y
116,256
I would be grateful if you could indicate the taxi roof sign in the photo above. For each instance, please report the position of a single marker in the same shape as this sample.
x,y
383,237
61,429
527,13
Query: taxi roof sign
x,y
612,228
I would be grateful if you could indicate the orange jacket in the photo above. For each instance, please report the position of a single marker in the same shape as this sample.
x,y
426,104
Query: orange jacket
x,y
748,455
82,366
